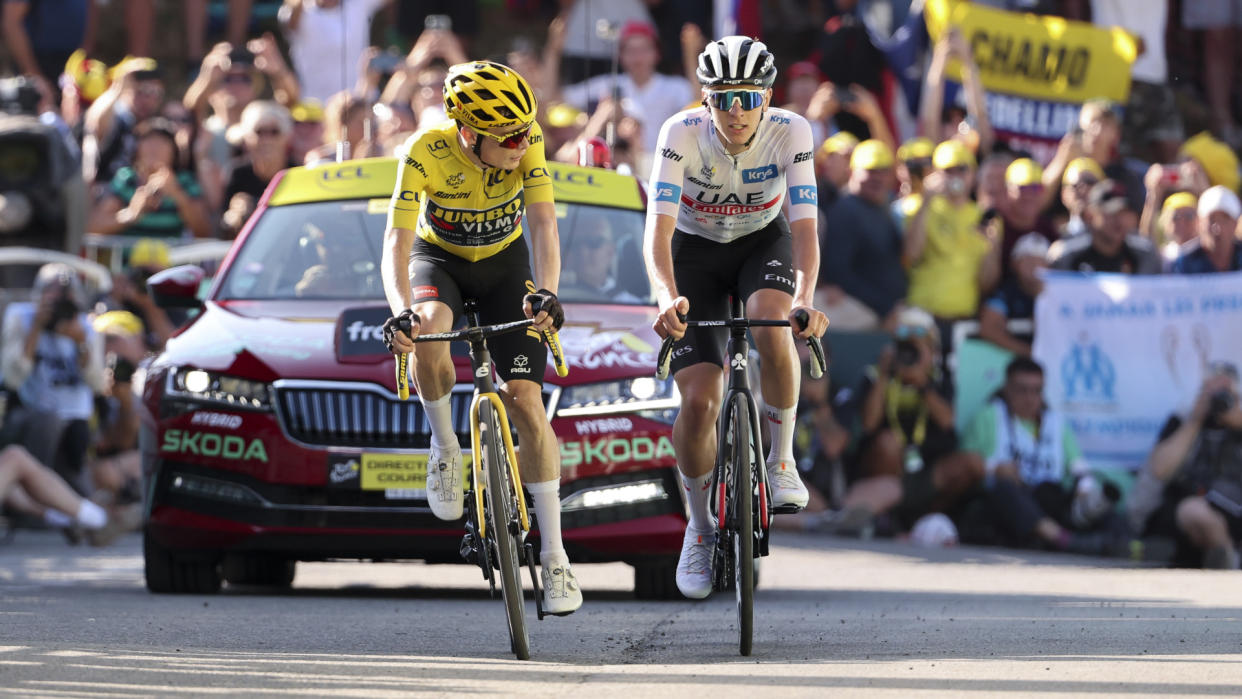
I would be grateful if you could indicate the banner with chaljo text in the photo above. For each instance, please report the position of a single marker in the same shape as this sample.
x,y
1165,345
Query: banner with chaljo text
x,y
1120,354
1036,70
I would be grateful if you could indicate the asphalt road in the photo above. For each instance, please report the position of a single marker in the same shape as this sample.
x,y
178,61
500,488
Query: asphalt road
x,y
877,618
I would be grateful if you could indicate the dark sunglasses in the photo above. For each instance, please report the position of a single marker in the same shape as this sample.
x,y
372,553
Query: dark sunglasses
x,y
238,79
267,132
510,140
1085,183
1185,215
723,100
908,331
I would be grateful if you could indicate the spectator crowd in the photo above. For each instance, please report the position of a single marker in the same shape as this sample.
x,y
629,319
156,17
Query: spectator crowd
x,y
926,222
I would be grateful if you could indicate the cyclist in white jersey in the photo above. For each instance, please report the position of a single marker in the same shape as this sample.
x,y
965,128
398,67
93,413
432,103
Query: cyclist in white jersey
x,y
723,177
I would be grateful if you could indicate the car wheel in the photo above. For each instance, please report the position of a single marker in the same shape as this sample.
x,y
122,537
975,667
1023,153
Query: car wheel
x,y
255,569
656,580
168,572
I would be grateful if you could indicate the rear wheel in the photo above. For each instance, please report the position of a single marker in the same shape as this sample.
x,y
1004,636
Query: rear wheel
x,y
743,530
503,529
169,572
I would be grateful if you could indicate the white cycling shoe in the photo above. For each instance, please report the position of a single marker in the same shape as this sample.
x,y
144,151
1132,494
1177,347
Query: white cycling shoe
x,y
694,568
788,492
561,594
445,484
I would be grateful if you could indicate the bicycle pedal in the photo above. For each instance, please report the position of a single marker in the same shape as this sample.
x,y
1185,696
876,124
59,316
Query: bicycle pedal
x,y
789,509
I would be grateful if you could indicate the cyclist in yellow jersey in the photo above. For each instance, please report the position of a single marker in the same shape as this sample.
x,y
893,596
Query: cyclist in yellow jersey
x,y
467,190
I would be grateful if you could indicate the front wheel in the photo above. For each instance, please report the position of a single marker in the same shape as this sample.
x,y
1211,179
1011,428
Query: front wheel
x,y
742,530
503,528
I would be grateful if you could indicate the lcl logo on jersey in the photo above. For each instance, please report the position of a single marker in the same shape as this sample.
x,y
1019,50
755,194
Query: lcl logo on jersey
x,y
759,174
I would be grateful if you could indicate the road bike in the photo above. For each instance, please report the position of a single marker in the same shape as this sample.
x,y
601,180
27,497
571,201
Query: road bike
x,y
497,521
741,501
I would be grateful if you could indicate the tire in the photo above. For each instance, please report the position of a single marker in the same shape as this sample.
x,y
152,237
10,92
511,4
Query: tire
x,y
258,569
656,580
167,572
501,514
743,529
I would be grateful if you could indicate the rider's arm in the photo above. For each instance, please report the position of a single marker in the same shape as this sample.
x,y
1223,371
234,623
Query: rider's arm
x,y
545,244
541,214
403,210
394,268
658,254
803,224
663,207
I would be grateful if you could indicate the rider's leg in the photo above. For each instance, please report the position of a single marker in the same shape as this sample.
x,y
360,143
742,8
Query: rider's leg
x,y
433,373
538,460
694,435
540,464
780,376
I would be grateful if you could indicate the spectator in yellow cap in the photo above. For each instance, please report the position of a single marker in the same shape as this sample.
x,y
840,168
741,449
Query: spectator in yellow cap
x,y
1216,158
832,167
862,282
1080,176
135,95
307,129
1022,208
952,259
130,294
1217,248
914,161
1178,224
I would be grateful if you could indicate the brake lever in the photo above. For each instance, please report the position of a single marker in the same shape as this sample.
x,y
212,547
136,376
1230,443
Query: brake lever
x,y
819,364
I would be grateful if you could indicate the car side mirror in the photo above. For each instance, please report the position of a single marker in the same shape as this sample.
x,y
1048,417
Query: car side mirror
x,y
177,287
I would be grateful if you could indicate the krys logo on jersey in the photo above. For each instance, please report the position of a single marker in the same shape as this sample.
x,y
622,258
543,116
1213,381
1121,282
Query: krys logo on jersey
x,y
469,227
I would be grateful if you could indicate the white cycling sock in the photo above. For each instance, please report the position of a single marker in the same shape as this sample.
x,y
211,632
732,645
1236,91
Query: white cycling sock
x,y
781,422
547,499
55,518
698,490
440,417
91,516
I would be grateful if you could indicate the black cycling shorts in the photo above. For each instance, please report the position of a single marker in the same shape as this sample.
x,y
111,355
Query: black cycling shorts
x,y
708,273
498,283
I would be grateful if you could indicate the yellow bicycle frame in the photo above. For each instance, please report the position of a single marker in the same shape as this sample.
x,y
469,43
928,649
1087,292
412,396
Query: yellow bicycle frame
x,y
477,460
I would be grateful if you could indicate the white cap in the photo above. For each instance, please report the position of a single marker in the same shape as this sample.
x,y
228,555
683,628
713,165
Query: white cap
x,y
1219,198
1030,245
934,530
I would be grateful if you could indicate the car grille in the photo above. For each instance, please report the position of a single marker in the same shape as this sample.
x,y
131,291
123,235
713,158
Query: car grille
x,y
362,415
359,416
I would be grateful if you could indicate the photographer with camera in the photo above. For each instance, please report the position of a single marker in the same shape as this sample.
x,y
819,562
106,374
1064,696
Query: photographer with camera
x,y
1198,461
135,95
52,362
1038,487
909,463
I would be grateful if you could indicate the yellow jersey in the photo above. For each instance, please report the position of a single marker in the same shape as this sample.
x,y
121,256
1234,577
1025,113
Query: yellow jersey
x,y
945,281
449,201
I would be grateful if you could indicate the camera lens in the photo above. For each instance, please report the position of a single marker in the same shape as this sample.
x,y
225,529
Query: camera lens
x,y
907,353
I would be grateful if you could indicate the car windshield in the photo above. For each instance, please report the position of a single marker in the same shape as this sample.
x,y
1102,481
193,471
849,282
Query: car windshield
x,y
331,250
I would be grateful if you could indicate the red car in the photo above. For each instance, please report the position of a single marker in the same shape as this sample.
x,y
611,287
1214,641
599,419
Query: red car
x,y
271,418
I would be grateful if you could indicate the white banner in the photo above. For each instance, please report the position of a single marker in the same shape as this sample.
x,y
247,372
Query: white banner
x,y
1120,354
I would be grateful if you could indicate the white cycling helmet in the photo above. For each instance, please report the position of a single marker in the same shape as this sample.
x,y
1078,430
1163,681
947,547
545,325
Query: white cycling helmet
x,y
736,60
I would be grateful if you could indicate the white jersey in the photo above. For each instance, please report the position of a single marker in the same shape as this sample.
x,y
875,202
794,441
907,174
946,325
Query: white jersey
x,y
723,197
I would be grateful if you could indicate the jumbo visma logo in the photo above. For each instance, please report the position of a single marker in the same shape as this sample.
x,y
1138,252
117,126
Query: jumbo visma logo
x,y
225,446
475,227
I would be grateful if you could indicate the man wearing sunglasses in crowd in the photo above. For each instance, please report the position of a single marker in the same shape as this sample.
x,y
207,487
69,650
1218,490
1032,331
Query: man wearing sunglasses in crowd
x,y
466,191
715,227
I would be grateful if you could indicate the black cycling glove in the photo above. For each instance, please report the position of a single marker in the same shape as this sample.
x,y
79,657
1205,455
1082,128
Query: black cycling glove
x,y
402,322
544,300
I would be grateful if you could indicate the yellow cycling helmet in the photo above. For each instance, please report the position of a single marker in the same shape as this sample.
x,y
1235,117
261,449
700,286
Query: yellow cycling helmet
x,y
484,95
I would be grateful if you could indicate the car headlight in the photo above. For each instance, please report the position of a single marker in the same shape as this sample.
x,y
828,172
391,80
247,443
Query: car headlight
x,y
625,396
630,493
212,387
